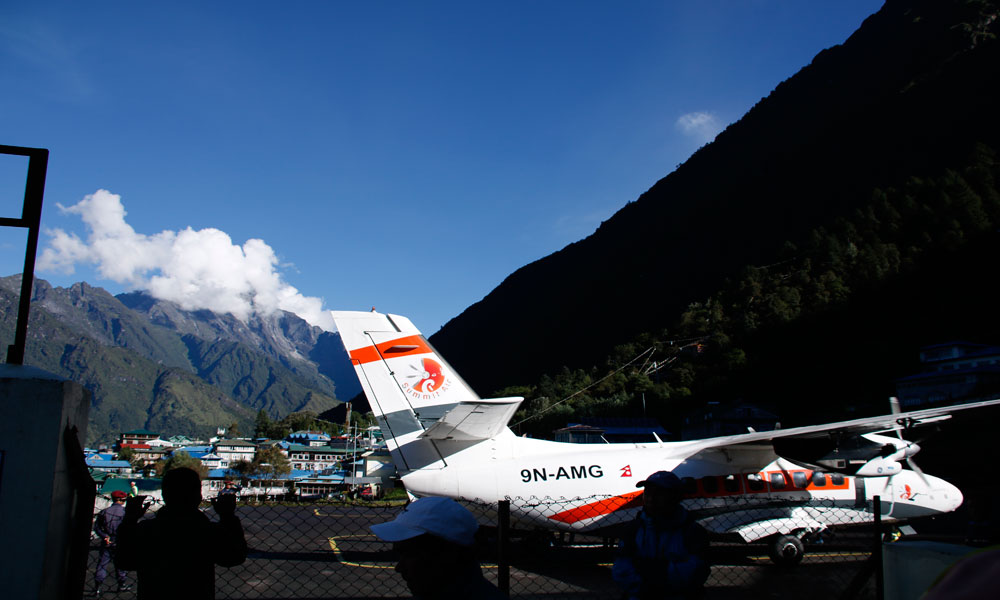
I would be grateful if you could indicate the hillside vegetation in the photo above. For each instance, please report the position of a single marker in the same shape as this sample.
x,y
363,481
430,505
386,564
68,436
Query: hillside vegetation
x,y
824,328
907,97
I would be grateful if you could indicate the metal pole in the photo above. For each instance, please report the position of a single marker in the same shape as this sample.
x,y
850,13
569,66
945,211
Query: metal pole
x,y
503,536
879,575
31,216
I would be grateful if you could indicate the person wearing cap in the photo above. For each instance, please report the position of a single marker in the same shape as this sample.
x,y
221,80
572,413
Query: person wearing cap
x,y
106,528
662,552
434,539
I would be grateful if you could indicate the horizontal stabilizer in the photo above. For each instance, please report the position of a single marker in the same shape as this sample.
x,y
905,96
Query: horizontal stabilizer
x,y
471,421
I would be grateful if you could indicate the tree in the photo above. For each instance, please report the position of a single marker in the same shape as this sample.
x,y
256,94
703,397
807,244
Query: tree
x,y
263,425
271,463
132,458
243,468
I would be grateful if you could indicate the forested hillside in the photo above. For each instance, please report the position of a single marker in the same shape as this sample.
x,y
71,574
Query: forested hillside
x,y
905,108
824,328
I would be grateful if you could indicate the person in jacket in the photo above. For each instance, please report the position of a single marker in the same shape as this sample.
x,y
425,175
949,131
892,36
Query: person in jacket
x,y
433,538
662,552
175,553
106,528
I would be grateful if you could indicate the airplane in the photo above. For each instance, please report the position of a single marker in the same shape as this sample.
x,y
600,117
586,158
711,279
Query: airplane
x,y
781,486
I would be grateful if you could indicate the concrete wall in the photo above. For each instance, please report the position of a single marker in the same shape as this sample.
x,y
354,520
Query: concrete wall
x,y
37,498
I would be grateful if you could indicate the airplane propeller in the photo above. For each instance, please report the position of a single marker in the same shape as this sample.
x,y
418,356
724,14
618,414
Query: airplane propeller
x,y
895,408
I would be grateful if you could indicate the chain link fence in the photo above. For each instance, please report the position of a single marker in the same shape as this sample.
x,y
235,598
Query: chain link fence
x,y
325,550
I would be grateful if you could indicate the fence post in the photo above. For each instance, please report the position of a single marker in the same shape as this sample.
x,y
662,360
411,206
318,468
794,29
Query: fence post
x,y
879,583
503,538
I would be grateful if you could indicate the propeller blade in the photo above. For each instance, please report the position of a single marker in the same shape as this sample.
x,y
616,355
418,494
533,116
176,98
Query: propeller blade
x,y
895,409
916,469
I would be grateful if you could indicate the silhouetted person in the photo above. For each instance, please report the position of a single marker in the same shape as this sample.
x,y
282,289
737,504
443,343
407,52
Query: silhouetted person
x,y
662,553
433,538
106,527
175,553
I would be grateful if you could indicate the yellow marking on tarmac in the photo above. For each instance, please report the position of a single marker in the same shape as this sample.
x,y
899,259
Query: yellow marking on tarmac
x,y
821,555
337,557
337,515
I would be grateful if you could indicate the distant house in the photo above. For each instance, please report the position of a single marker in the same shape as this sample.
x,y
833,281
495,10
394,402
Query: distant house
x,y
144,454
309,438
313,458
99,455
577,433
952,372
183,440
195,451
137,436
213,461
314,485
379,464
235,450
105,465
614,430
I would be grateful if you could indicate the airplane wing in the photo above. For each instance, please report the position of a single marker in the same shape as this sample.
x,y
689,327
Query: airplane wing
x,y
471,421
813,443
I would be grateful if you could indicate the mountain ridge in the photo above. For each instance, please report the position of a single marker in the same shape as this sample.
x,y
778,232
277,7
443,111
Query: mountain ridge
x,y
146,368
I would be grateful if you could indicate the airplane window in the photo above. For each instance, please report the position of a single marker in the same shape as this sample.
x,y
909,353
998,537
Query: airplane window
x,y
799,479
710,485
777,481
819,479
755,482
690,487
731,484
836,479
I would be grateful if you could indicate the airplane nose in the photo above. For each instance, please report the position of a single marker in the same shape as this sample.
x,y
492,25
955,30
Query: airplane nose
x,y
951,496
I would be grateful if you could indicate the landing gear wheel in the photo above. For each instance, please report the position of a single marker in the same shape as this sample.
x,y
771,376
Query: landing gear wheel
x,y
787,550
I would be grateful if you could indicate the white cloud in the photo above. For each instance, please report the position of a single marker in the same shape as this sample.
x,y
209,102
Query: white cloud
x,y
200,269
702,126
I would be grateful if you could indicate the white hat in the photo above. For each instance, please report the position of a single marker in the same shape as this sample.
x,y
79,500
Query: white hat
x,y
441,517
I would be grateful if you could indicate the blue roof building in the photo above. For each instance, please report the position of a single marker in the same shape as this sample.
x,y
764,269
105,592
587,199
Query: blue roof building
x,y
309,438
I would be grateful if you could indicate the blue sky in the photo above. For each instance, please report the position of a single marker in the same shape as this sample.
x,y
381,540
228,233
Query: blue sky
x,y
335,155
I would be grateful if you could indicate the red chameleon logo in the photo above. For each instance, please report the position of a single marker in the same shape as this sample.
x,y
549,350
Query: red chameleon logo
x,y
431,378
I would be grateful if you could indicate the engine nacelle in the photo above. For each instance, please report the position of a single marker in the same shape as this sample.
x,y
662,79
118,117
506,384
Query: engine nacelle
x,y
880,466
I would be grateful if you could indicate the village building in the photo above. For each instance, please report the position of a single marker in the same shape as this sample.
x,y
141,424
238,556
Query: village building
x,y
235,450
137,437
309,438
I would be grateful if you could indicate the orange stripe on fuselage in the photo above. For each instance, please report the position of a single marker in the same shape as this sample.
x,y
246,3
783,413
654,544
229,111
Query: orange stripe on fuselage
x,y
599,508
405,346
634,499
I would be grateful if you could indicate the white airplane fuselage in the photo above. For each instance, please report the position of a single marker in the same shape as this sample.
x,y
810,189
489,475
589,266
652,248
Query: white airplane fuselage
x,y
447,441
586,487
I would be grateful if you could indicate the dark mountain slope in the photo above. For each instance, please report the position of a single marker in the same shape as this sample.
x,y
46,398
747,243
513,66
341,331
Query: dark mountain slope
x,y
909,93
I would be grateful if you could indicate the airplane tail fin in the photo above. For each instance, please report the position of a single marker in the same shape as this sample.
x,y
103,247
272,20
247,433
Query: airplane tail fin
x,y
416,395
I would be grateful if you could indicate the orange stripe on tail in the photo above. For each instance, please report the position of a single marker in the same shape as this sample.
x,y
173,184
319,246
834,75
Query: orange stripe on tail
x,y
405,346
